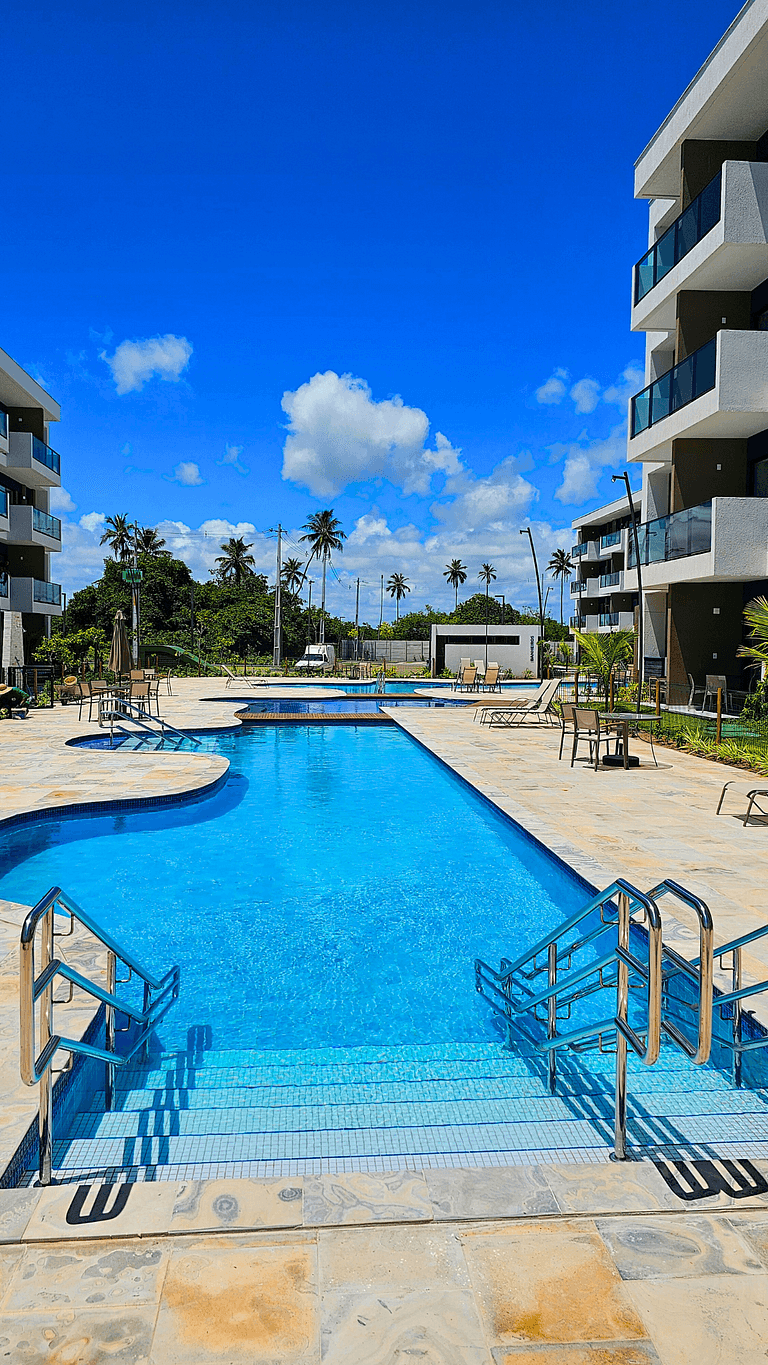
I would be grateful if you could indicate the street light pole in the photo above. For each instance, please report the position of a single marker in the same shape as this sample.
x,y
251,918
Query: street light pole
x,y
526,531
501,598
357,622
276,631
618,478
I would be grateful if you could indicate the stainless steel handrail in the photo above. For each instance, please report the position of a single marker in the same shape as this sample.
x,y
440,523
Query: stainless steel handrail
x,y
125,708
703,973
160,992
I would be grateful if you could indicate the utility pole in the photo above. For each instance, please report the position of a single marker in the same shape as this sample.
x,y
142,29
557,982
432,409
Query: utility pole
x,y
278,604
357,622
500,597
309,615
192,617
381,605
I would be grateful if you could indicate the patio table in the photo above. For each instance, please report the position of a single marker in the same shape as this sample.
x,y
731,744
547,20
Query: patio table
x,y
611,720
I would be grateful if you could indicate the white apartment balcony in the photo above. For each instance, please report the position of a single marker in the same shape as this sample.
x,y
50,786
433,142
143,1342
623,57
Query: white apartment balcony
x,y
615,542
719,391
587,587
5,590
5,513
719,242
610,582
32,461
614,620
587,551
36,596
30,526
722,541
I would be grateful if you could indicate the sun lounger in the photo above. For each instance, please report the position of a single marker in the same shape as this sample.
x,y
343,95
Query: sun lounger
x,y
485,709
540,709
242,681
751,799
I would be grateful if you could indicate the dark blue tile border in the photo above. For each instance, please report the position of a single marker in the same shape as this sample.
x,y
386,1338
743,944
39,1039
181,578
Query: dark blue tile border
x,y
77,808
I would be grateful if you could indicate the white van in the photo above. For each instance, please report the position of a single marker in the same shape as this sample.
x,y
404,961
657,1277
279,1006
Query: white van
x,y
317,657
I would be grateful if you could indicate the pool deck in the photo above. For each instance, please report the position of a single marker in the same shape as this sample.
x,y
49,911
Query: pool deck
x,y
538,1265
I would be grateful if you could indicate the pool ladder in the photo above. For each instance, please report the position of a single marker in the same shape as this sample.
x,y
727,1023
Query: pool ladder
x,y
39,968
124,709
518,998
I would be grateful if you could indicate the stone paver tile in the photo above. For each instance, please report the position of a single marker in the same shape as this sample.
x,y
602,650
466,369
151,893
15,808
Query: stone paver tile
x,y
616,1353
753,1229
232,1205
16,1208
10,1258
238,1306
392,1257
547,1283
119,1336
400,1196
500,1192
631,1187
87,1275
62,1212
435,1327
717,1320
645,1248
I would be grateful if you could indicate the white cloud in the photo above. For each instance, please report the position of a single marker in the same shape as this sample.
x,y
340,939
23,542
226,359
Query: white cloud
x,y
338,434
584,463
134,362
585,394
231,457
553,390
495,500
629,382
186,473
93,522
60,501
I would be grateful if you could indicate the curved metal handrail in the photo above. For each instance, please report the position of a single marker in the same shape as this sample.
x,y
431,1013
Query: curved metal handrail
x,y
703,972
160,992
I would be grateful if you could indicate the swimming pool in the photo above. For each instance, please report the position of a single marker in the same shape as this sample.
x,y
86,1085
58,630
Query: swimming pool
x,y
334,893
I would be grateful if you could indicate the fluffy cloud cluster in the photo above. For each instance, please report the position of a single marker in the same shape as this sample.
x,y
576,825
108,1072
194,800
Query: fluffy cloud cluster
x,y
338,435
187,473
134,362
585,462
586,393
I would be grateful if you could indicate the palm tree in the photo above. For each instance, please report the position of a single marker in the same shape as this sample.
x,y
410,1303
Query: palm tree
x,y
118,535
236,563
560,566
148,542
324,535
602,654
397,587
486,573
456,573
293,574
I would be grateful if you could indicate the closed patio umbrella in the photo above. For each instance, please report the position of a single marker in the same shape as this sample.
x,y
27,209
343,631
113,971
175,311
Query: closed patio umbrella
x,y
120,650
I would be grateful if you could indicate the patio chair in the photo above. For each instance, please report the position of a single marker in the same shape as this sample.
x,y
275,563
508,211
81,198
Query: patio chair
x,y
137,675
90,691
541,710
244,681
715,682
491,679
586,725
463,663
140,693
479,669
567,718
694,690
468,679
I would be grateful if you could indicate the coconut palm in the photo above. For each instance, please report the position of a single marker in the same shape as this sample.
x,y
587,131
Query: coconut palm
x,y
293,574
456,573
603,654
148,542
397,587
118,535
486,574
236,564
560,566
324,535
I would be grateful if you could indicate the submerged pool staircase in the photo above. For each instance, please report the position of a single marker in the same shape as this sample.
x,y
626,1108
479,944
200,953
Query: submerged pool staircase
x,y
665,1072
133,721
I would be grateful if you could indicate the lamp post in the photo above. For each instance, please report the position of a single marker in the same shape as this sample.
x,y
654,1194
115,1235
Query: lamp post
x,y
526,531
501,598
619,478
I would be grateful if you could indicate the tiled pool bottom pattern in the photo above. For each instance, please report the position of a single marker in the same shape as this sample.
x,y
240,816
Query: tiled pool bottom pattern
x,y
257,1115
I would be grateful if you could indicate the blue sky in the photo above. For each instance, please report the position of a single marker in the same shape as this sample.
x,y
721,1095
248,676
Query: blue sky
x,y
376,257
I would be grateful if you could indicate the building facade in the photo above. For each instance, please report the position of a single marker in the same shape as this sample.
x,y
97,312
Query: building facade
x,y
513,648
699,427
29,534
600,599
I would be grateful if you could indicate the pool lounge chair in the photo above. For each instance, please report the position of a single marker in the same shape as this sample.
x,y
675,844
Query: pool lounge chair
x,y
485,709
246,682
541,709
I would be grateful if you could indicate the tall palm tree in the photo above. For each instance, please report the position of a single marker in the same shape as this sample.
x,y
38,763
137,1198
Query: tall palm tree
x,y
118,535
456,573
148,542
293,574
324,535
486,574
397,587
236,563
560,566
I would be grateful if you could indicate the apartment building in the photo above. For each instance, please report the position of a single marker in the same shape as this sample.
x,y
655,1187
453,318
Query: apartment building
x,y
600,598
699,427
29,535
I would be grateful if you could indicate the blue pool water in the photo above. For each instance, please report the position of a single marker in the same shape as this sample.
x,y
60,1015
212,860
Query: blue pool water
x,y
334,891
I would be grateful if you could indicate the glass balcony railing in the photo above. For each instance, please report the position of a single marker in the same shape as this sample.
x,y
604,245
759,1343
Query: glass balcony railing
x,y
576,587
3,422
3,502
610,580
608,618
675,536
613,538
44,454
694,223
575,623
5,583
674,390
46,592
49,526
578,550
